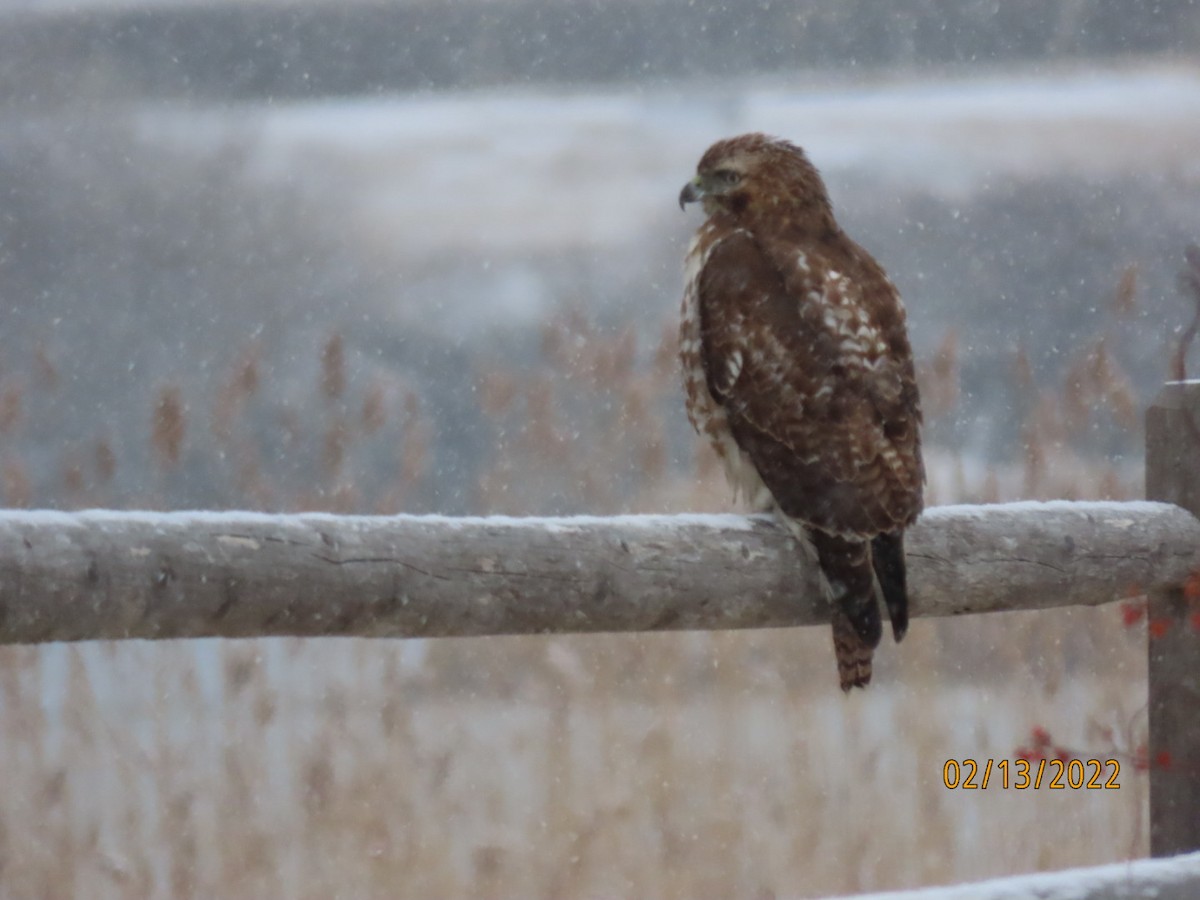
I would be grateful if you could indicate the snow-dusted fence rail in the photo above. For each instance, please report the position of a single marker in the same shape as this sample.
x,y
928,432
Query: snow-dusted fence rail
x,y
109,576
1161,879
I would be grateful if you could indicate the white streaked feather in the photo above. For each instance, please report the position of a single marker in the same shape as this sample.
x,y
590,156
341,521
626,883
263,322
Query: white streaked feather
x,y
733,368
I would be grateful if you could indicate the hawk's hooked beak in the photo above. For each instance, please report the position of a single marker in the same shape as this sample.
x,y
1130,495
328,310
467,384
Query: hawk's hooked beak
x,y
692,191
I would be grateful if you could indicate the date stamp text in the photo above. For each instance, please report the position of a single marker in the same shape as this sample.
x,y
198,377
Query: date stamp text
x,y
1024,774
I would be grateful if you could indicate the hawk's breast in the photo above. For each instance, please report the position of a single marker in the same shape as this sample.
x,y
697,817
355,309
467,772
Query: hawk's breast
x,y
704,411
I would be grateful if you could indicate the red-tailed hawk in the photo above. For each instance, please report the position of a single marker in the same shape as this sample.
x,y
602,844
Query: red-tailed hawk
x,y
797,368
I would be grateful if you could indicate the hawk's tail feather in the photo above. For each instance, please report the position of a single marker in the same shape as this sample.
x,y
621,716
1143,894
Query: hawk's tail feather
x,y
852,652
846,565
854,591
887,554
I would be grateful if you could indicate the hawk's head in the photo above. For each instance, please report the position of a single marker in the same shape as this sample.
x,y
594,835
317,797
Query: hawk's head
x,y
753,175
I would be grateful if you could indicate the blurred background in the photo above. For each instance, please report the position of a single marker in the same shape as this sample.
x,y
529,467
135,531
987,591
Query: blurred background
x,y
426,257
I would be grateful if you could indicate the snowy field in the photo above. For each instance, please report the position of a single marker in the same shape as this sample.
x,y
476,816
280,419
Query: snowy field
x,y
495,209
500,171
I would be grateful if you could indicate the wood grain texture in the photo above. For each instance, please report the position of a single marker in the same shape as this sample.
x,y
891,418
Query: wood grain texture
x,y
109,576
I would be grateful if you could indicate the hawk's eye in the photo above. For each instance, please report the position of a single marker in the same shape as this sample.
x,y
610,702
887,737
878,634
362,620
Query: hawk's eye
x,y
727,177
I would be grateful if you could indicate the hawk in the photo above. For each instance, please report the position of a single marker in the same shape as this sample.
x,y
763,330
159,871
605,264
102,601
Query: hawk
x,y
797,368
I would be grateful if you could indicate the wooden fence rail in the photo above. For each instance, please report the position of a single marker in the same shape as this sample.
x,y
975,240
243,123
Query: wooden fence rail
x,y
110,576
1169,879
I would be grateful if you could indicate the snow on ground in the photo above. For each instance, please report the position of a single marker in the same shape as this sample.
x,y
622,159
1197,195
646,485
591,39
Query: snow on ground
x,y
450,192
505,170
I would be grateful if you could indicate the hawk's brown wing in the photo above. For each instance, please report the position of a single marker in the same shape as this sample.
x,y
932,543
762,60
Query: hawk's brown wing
x,y
812,387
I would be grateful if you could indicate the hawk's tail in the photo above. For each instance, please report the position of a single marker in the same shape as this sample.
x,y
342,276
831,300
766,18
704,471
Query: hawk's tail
x,y
853,654
887,553
857,624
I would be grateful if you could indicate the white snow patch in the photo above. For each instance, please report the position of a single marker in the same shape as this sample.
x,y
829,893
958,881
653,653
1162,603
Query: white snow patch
x,y
1113,512
1106,509
1177,878
506,169
465,194
233,519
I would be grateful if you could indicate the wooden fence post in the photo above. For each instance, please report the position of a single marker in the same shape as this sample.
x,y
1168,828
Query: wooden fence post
x,y
1173,476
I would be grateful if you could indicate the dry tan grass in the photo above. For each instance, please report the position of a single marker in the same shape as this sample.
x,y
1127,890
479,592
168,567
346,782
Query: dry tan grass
x,y
690,765
657,766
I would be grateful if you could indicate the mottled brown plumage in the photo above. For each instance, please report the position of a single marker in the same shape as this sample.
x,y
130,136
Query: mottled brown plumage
x,y
798,369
